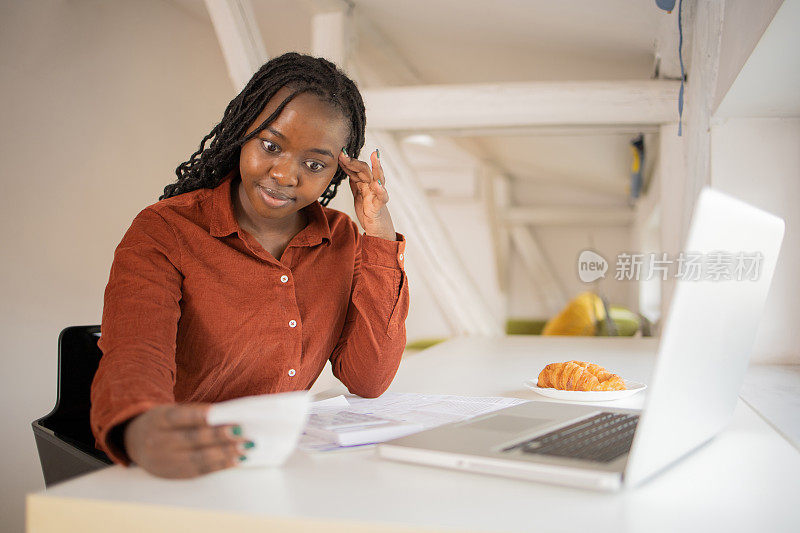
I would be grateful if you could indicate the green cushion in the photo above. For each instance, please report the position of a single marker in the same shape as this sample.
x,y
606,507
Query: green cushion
x,y
524,326
421,344
627,322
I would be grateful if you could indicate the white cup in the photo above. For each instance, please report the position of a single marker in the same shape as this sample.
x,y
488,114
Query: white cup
x,y
273,422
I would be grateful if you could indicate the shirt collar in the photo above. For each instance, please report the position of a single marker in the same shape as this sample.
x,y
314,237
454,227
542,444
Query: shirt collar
x,y
223,220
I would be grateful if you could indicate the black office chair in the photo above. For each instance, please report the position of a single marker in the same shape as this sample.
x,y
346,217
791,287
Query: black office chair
x,y
64,437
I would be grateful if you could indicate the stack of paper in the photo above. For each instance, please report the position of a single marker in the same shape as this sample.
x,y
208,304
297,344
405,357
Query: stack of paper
x,y
407,413
349,428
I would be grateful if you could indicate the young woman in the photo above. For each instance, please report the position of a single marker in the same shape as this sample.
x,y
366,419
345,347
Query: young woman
x,y
242,281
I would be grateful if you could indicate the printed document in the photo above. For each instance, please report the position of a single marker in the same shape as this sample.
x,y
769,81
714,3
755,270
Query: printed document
x,y
417,411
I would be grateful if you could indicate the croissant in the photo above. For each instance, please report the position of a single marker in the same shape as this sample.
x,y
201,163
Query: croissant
x,y
579,376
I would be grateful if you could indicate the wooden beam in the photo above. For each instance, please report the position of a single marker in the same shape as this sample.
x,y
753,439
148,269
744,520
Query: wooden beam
x,y
569,216
545,131
551,293
239,38
323,6
331,36
496,195
671,180
700,88
505,105
460,300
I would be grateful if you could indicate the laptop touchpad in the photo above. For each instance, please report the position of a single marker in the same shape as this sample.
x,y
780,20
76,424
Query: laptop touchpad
x,y
508,423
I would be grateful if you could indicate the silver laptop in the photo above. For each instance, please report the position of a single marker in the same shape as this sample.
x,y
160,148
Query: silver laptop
x,y
702,357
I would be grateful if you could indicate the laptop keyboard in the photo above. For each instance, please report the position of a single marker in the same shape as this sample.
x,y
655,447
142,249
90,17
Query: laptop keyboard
x,y
601,438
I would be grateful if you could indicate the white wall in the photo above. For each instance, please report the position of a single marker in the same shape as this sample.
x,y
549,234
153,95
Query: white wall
x,y
101,101
758,160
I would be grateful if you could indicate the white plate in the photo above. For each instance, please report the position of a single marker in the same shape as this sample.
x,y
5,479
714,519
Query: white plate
x,y
632,387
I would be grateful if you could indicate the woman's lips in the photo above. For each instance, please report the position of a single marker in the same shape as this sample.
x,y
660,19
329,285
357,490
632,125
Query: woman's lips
x,y
273,199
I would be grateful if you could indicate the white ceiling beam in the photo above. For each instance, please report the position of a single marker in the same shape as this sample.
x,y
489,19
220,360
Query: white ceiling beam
x,y
323,6
569,216
700,89
239,38
496,194
505,105
545,131
551,294
331,33
671,180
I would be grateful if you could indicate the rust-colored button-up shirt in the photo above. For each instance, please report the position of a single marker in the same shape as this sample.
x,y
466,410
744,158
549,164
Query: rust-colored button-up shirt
x,y
196,310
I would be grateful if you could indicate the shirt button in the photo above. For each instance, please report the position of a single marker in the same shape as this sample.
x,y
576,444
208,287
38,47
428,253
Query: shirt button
x,y
292,372
401,257
292,323
284,278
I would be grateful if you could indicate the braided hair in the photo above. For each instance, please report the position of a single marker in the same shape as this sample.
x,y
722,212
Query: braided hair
x,y
208,166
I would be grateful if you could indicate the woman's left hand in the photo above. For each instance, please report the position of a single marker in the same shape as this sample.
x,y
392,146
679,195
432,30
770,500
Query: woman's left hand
x,y
369,193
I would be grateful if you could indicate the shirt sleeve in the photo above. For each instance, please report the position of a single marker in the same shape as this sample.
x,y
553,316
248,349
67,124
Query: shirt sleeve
x,y
373,338
138,331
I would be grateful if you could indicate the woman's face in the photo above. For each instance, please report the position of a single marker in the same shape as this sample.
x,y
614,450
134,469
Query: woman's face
x,y
288,165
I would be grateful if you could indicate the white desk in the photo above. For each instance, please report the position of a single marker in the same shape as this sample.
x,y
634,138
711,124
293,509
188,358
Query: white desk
x,y
746,479
773,391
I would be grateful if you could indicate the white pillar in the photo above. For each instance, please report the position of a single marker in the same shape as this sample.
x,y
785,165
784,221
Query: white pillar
x,y
331,37
239,38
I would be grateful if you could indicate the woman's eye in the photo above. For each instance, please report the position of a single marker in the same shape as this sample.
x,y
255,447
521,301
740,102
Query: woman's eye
x,y
270,146
314,166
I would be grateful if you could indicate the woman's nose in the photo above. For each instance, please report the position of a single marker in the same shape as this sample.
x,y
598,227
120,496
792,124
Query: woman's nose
x,y
284,172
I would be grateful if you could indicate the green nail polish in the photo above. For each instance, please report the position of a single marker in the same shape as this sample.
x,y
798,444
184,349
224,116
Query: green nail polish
x,y
377,151
237,430
249,444
379,183
242,457
345,152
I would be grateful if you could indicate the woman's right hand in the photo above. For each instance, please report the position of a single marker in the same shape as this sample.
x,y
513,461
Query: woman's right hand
x,y
175,441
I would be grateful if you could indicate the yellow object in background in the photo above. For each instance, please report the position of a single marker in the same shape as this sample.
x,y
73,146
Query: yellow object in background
x,y
585,315
579,317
